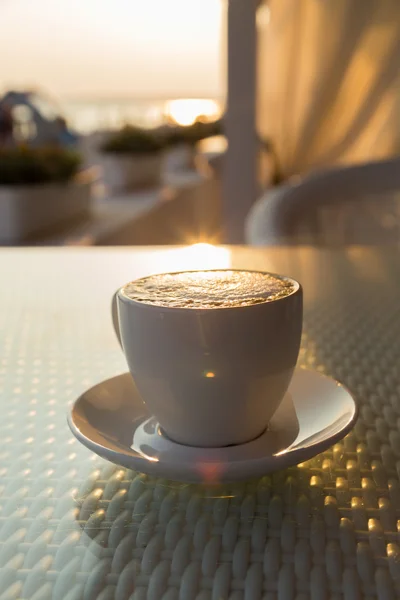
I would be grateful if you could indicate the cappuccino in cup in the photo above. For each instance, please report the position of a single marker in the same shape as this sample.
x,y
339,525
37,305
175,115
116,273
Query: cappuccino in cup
x,y
212,352
208,289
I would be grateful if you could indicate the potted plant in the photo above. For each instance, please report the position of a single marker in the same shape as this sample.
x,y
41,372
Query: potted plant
x,y
133,158
39,188
182,140
191,134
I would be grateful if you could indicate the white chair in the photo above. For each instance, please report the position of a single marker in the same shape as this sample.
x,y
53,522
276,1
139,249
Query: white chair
x,y
349,205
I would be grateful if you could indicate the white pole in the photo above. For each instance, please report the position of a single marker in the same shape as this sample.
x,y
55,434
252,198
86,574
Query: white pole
x,y
239,183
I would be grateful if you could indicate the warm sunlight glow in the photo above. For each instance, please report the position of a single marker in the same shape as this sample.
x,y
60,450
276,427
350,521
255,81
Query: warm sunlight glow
x,y
202,247
263,16
209,375
154,459
190,258
206,256
186,112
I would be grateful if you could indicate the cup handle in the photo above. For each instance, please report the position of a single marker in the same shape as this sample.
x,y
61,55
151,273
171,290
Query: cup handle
x,y
114,315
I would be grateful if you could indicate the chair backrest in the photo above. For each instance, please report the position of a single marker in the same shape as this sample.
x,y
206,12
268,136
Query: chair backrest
x,y
350,205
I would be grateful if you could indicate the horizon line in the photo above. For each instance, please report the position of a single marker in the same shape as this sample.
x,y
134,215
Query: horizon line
x,y
143,98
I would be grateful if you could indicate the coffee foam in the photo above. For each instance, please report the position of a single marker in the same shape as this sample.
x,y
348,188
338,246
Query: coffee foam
x,y
208,289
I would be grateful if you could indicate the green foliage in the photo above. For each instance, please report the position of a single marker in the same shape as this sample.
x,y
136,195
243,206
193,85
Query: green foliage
x,y
133,140
192,134
33,166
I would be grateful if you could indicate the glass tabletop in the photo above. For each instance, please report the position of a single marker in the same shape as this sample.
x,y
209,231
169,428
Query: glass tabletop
x,y
73,526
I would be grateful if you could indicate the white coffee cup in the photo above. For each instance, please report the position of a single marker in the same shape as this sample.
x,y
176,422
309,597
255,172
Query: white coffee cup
x,y
211,376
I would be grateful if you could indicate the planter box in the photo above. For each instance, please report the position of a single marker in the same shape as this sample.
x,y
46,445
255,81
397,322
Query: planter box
x,y
181,158
129,172
26,211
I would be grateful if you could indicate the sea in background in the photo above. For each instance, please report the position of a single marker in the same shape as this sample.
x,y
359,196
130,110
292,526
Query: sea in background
x,y
87,116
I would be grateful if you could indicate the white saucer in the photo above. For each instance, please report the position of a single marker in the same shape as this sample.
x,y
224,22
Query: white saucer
x,y
112,420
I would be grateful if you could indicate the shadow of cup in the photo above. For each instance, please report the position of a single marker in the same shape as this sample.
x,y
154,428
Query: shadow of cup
x,y
127,516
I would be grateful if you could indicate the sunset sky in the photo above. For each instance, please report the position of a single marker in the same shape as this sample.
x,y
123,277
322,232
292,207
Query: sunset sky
x,y
112,48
